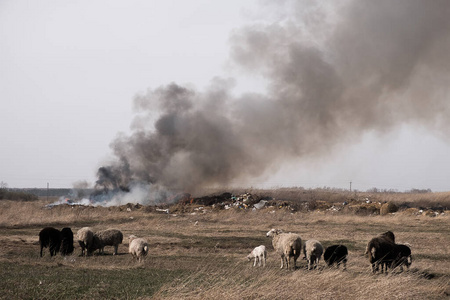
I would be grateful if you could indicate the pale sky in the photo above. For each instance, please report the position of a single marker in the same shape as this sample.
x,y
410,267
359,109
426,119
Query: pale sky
x,y
69,71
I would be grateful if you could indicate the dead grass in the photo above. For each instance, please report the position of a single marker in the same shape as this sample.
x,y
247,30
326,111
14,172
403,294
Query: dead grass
x,y
202,255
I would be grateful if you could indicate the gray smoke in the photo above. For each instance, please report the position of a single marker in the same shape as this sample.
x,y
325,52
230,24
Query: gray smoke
x,y
333,72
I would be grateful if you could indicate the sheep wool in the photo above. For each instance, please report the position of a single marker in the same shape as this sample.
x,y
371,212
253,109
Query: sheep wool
x,y
138,247
109,237
85,237
50,237
312,250
287,245
66,241
259,254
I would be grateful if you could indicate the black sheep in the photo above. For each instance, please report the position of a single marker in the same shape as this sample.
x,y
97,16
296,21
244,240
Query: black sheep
x,y
336,254
66,241
50,237
399,256
379,249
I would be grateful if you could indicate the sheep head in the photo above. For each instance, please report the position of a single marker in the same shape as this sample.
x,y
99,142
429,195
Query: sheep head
x,y
273,232
131,237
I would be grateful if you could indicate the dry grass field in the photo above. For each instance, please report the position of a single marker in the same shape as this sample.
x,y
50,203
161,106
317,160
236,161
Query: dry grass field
x,y
201,254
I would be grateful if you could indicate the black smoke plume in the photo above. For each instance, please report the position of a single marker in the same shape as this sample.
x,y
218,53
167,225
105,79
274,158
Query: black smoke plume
x,y
333,72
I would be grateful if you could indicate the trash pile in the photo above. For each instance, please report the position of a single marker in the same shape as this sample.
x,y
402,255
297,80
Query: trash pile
x,y
245,201
185,203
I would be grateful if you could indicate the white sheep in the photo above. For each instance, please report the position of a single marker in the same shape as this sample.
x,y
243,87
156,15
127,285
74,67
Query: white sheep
x,y
287,245
138,247
85,238
312,250
109,237
259,254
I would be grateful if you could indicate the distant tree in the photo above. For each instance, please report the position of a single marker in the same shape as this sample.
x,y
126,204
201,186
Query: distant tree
x,y
420,191
372,190
11,194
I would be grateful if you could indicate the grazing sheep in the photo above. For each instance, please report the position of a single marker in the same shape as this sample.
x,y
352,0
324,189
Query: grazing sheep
x,y
138,247
66,241
109,237
400,255
287,245
378,250
50,237
336,254
312,249
85,238
259,254
96,244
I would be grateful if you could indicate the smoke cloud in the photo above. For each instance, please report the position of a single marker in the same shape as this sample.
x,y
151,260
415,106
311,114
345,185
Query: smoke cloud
x,y
333,72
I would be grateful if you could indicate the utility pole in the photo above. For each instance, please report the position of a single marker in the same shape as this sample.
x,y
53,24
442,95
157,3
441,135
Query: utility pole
x,y
350,186
47,191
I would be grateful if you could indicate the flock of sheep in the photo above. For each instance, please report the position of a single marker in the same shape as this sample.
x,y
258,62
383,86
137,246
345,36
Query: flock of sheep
x,y
89,241
381,250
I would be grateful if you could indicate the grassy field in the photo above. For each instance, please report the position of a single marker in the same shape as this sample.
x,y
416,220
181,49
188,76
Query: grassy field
x,y
201,254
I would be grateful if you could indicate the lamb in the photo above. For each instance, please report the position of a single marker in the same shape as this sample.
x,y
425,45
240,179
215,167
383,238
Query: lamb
x,y
259,254
50,237
378,250
287,245
109,237
85,238
312,249
66,241
138,247
336,254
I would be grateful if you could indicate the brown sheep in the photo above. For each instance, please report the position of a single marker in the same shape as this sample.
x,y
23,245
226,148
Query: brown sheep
x,y
378,250
109,237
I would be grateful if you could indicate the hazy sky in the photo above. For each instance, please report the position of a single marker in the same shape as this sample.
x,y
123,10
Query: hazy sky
x,y
69,71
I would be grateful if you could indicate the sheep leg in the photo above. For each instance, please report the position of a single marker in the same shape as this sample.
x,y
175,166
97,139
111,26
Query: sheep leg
x,y
115,249
374,267
383,267
254,262
52,248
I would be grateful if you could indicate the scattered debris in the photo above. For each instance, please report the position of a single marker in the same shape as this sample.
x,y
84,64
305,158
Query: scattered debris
x,y
260,204
248,201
